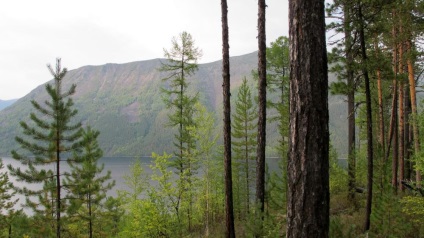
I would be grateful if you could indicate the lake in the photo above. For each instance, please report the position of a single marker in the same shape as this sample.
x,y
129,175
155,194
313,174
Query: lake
x,y
119,166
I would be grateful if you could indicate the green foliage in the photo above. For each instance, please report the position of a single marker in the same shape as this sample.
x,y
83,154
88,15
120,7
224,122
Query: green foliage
x,y
205,154
244,146
7,202
276,188
278,70
413,207
338,229
87,186
150,210
338,175
278,62
6,191
387,217
47,138
182,63
137,183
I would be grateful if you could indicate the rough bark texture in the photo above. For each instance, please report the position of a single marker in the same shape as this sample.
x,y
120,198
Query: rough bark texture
x,y
260,160
229,215
308,166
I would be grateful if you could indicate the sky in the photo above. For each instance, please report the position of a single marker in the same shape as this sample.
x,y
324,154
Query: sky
x,y
95,32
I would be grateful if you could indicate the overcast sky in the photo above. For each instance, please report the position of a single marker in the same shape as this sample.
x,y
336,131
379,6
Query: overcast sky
x,y
96,32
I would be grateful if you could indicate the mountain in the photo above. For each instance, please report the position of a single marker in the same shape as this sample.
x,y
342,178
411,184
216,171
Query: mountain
x,y
6,103
123,102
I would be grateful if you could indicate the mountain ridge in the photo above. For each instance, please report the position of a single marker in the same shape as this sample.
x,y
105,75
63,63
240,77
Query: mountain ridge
x,y
123,101
6,103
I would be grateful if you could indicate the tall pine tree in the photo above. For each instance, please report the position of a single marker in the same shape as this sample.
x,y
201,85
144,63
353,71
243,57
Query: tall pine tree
x,y
182,63
50,135
244,134
229,210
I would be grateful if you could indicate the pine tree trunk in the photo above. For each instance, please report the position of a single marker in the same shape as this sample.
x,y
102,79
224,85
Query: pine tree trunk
x,y
413,97
395,150
90,222
393,117
58,200
381,140
308,165
229,215
401,122
408,134
370,151
246,158
350,102
393,133
260,161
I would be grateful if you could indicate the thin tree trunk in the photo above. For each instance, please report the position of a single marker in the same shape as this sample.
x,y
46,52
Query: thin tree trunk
x,y
229,215
58,205
401,121
350,103
395,150
308,165
413,95
381,140
393,117
90,215
246,156
58,200
402,164
393,133
370,151
260,160
407,166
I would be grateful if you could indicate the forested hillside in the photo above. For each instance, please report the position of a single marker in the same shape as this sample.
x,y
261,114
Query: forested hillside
x,y
124,102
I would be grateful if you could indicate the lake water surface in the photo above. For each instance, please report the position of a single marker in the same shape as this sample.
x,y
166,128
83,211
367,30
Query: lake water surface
x,y
119,167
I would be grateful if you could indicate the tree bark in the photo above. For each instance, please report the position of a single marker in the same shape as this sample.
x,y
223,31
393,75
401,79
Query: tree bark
x,y
350,102
407,165
370,150
401,122
308,163
229,215
260,160
381,140
413,96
